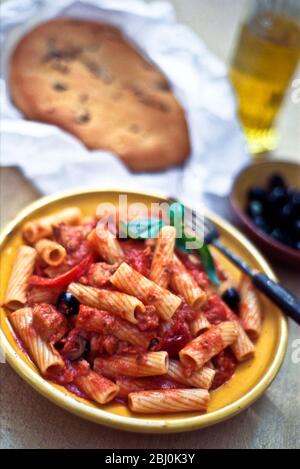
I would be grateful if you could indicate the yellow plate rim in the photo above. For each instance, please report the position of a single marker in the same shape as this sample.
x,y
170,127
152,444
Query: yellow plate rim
x,y
97,415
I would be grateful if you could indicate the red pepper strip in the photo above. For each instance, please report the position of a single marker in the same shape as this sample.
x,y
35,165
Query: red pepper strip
x,y
63,280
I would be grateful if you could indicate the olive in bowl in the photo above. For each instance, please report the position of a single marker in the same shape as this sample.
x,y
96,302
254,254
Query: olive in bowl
x,y
273,210
265,197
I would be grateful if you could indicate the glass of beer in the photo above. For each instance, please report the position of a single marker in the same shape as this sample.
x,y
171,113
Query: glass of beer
x,y
263,63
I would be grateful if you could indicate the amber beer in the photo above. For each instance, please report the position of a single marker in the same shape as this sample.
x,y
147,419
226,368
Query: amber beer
x,y
263,64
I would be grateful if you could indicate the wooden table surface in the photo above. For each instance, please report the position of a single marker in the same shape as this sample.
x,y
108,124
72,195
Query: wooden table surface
x,y
30,421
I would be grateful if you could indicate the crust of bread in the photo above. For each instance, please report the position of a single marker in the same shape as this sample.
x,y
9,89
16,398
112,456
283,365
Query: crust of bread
x,y
86,78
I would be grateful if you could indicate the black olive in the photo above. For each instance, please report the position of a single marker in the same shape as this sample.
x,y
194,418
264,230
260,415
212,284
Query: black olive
x,y
282,236
291,191
67,304
79,351
255,208
277,197
261,223
276,180
286,213
295,200
153,343
257,193
297,245
296,229
232,298
87,349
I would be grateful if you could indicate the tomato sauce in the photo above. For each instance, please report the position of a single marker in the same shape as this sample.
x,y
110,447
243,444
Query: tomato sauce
x,y
148,320
195,269
178,333
64,376
137,255
75,390
90,334
225,364
128,385
214,310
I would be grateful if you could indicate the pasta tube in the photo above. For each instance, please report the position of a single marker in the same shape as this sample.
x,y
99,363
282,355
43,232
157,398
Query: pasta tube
x,y
93,320
127,384
242,348
169,400
208,344
51,252
106,244
96,387
132,282
199,324
22,270
183,283
162,258
42,227
148,364
44,355
202,378
43,295
125,306
250,309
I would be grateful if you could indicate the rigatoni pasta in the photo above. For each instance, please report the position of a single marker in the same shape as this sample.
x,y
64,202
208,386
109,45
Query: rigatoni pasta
x,y
131,319
132,282
43,354
162,258
51,252
199,324
94,320
147,364
97,387
128,384
42,295
169,400
184,284
22,269
43,227
208,344
125,306
106,245
250,309
242,348
202,378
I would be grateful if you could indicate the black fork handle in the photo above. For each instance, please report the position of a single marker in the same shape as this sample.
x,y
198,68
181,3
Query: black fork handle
x,y
288,302
284,299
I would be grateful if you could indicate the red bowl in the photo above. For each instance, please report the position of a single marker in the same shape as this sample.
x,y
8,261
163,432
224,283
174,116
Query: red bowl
x,y
258,174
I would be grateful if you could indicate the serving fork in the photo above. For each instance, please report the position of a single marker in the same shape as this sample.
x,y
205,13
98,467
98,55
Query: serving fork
x,y
279,295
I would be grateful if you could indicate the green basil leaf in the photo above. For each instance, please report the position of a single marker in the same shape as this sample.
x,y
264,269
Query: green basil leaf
x,y
209,264
176,215
180,244
206,258
142,228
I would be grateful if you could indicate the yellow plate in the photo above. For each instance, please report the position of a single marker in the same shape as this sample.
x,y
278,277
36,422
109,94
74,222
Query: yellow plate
x,y
248,383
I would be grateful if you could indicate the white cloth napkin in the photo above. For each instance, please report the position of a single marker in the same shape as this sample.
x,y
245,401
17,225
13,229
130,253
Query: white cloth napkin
x,y
54,160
